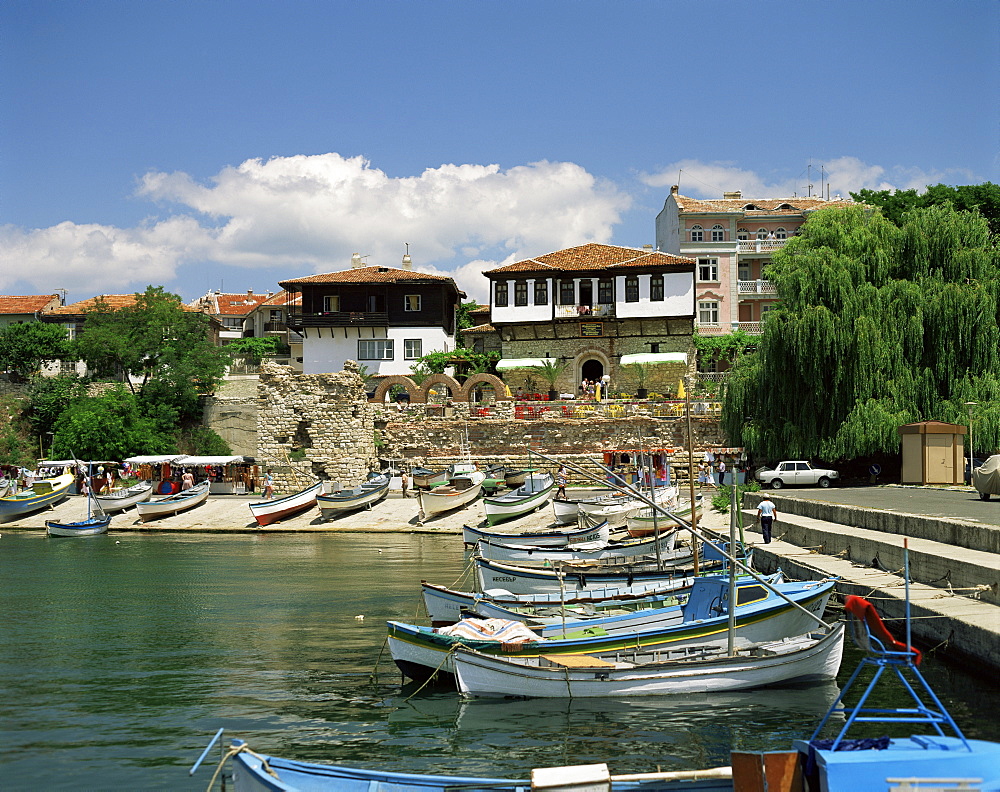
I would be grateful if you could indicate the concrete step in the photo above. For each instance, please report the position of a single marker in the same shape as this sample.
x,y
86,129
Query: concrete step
x,y
946,567
959,626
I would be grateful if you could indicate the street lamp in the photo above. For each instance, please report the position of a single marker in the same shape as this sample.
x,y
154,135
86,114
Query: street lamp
x,y
970,405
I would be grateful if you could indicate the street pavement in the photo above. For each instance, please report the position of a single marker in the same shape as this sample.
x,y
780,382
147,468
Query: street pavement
x,y
958,503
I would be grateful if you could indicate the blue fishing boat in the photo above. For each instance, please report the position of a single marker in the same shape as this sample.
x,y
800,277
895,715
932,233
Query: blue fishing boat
x,y
96,522
46,492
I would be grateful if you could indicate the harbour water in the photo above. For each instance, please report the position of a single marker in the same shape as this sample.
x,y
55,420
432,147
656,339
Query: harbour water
x,y
121,655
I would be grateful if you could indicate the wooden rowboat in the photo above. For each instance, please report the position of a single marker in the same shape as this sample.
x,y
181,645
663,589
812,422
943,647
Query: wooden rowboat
x,y
46,492
461,490
627,552
92,526
533,494
174,504
564,538
362,496
125,498
269,511
642,523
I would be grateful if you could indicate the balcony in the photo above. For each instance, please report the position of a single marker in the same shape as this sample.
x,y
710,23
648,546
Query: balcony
x,y
584,311
338,319
274,327
760,245
753,328
760,288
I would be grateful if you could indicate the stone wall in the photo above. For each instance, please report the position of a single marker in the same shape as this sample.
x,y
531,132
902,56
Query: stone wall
x,y
322,423
235,420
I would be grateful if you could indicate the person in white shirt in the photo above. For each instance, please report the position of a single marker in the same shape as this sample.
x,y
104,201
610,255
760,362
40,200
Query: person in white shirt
x,y
767,512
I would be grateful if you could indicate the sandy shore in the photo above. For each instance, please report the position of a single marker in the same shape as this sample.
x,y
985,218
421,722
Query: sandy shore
x,y
231,513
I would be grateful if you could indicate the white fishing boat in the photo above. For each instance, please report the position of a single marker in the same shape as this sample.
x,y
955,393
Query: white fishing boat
x,y
545,538
365,495
174,504
644,523
533,494
268,511
41,494
123,499
567,510
803,658
95,523
425,478
461,489
625,552
618,510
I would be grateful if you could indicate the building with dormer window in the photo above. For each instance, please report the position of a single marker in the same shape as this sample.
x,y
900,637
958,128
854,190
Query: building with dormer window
x,y
588,306
384,318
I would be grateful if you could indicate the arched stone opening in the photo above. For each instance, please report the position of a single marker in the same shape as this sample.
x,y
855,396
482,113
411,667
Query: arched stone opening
x,y
416,394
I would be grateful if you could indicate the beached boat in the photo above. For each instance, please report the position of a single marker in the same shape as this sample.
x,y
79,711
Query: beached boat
x,y
461,490
617,510
174,504
95,523
642,523
544,538
123,499
255,772
40,495
365,495
760,615
577,579
515,478
626,552
268,511
424,478
811,657
534,493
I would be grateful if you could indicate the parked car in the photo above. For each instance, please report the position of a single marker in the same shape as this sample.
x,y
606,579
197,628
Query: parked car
x,y
986,477
796,474
968,473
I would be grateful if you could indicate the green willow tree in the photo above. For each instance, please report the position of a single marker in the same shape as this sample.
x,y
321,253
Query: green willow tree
x,y
879,325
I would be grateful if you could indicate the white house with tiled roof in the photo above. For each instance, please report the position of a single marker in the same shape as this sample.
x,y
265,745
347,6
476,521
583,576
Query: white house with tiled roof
x,y
590,305
732,239
26,308
384,318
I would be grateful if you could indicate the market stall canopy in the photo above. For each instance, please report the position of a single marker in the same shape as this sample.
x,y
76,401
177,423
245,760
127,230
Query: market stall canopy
x,y
654,357
71,462
195,461
517,363
153,460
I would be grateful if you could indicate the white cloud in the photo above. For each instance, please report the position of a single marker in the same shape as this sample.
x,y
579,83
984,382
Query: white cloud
x,y
315,211
843,175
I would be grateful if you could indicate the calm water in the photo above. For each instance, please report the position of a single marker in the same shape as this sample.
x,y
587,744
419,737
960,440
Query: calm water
x,y
121,656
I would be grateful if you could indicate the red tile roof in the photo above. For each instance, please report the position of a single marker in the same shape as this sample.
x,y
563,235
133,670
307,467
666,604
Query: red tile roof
x,y
238,304
762,206
284,298
483,328
368,275
113,302
27,304
593,256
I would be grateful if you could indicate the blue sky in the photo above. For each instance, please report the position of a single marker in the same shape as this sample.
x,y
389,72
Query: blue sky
x,y
222,145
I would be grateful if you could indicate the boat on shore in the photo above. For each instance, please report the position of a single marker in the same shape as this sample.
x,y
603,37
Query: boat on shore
x,y
534,493
174,504
543,538
126,498
761,614
617,509
95,523
365,495
268,511
810,657
643,523
425,478
43,493
460,490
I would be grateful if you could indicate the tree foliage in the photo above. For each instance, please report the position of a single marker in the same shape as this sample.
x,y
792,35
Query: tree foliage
x,y
162,352
48,397
254,349
879,325
110,426
26,345
984,198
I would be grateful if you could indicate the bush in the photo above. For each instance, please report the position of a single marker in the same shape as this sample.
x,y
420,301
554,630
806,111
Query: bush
x,y
721,500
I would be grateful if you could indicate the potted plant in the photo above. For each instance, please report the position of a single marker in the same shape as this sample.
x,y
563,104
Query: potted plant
x,y
639,372
550,370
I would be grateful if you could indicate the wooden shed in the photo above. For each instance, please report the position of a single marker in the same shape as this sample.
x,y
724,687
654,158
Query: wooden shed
x,y
933,453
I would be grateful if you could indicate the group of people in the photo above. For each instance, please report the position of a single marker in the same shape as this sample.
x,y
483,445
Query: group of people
x,y
706,476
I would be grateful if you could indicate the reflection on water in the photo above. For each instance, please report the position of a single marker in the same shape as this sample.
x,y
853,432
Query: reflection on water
x,y
121,655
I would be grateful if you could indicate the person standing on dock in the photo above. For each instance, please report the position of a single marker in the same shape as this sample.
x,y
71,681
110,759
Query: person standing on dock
x,y
562,477
268,486
767,512
187,480
404,481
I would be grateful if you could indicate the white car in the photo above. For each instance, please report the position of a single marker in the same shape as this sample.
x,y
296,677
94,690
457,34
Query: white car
x,y
796,474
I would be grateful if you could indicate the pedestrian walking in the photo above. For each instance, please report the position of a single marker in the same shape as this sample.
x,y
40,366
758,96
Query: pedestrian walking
x,y
562,478
268,486
767,513
722,472
405,482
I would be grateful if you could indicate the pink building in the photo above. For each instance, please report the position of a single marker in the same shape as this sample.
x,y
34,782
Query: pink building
x,y
732,240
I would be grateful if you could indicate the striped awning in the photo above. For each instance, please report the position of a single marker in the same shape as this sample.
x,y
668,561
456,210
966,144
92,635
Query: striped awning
x,y
655,357
518,363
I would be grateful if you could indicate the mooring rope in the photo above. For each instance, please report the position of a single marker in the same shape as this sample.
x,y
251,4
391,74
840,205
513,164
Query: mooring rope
x,y
243,748
433,673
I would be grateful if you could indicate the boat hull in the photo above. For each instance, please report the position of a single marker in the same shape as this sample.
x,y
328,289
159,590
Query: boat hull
x,y
533,494
804,658
43,494
445,499
267,512
92,527
420,652
125,499
359,498
619,553
641,524
175,504
598,533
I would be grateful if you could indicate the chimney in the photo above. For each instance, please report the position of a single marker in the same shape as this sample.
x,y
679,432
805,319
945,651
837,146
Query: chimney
x,y
675,189
734,194
407,261
356,260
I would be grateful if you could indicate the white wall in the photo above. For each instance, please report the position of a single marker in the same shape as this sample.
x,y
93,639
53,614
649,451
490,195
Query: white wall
x,y
322,354
678,297
667,230
522,313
